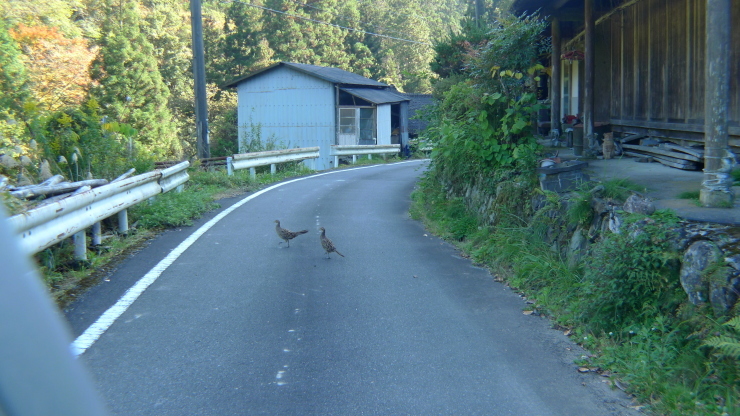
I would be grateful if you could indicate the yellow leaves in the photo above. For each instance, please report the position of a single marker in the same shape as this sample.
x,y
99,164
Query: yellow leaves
x,y
532,72
57,65
65,120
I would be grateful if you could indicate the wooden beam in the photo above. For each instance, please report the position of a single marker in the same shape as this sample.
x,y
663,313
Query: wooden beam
x,y
588,93
662,152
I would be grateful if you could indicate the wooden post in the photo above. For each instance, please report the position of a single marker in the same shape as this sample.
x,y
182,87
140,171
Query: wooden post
x,y
716,189
404,139
588,90
555,92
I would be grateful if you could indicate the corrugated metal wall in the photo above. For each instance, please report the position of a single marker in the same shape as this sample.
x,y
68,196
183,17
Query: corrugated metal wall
x,y
294,109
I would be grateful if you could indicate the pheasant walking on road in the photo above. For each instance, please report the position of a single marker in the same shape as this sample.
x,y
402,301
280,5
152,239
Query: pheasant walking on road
x,y
286,235
327,244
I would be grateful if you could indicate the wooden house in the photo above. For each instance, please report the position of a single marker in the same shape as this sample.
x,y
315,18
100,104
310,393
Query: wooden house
x,y
669,69
300,105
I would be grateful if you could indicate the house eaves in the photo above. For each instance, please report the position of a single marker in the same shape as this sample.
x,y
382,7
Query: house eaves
x,y
333,75
376,96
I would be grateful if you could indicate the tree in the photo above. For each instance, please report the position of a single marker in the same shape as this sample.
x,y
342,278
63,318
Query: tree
x,y
50,13
167,27
13,75
243,48
58,66
129,85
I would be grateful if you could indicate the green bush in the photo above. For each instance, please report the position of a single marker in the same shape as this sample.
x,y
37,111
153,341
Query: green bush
x,y
633,275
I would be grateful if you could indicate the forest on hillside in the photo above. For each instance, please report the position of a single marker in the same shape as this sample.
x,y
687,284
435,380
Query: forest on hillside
x,y
94,87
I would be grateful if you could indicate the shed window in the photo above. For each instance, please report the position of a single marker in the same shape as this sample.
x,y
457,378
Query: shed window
x,y
347,124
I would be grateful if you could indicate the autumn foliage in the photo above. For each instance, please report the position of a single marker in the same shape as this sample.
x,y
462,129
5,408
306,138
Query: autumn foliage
x,y
57,66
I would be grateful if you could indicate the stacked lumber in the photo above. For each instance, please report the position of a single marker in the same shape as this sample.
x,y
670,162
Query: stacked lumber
x,y
669,154
53,189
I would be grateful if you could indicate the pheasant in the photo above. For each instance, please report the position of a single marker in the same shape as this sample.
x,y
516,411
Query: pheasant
x,y
327,244
286,235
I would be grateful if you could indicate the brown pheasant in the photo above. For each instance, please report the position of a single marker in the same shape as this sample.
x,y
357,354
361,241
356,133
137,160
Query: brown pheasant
x,y
327,244
286,235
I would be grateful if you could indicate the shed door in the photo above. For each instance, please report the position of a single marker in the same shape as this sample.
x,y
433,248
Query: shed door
x,y
349,126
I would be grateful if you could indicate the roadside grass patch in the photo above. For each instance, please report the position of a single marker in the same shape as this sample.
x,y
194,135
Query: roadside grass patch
x,y
693,195
627,309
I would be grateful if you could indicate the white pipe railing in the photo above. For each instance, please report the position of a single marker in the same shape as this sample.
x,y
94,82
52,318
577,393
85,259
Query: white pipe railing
x,y
47,225
271,157
354,150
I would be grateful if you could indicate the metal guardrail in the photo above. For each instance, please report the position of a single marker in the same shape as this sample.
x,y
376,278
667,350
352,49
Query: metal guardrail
x,y
52,223
47,225
271,157
354,150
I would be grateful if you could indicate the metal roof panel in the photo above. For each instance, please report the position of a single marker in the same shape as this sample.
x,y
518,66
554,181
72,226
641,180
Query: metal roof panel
x,y
376,96
334,75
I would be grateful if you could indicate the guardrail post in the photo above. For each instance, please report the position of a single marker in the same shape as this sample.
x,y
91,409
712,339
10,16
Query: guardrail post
x,y
80,241
230,166
336,161
354,159
96,237
123,221
180,188
369,157
272,169
253,173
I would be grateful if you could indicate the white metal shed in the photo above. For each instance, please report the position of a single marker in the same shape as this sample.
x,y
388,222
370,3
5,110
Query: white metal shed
x,y
299,105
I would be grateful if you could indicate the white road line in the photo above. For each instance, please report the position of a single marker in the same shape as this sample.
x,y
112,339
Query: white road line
x,y
91,334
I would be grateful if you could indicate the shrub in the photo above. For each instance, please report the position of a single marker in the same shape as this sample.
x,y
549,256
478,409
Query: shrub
x,y
633,275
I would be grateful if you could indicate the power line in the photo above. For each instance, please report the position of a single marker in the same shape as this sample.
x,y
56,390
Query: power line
x,y
327,23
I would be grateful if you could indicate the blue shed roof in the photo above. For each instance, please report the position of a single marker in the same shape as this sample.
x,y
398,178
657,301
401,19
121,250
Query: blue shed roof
x,y
333,75
376,96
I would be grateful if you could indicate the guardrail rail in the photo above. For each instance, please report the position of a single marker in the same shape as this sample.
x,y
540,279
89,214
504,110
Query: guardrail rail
x,y
270,157
49,224
355,150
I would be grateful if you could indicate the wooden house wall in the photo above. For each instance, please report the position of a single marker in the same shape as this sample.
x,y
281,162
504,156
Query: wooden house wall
x,y
649,66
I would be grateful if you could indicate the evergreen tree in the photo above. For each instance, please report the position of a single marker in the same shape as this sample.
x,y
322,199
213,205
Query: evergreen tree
x,y
129,86
289,35
243,48
168,29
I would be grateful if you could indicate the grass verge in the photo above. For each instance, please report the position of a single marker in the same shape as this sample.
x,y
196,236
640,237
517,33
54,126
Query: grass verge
x,y
623,303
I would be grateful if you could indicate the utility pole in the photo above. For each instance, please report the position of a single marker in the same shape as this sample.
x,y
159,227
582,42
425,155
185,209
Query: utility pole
x,y
199,74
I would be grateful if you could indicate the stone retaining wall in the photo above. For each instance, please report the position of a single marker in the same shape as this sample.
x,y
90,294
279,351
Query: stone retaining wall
x,y
709,253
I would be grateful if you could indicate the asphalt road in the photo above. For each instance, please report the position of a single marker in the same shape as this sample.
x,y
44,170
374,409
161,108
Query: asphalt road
x,y
240,325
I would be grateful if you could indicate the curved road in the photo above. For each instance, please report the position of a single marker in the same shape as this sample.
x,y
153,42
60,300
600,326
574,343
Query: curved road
x,y
239,325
